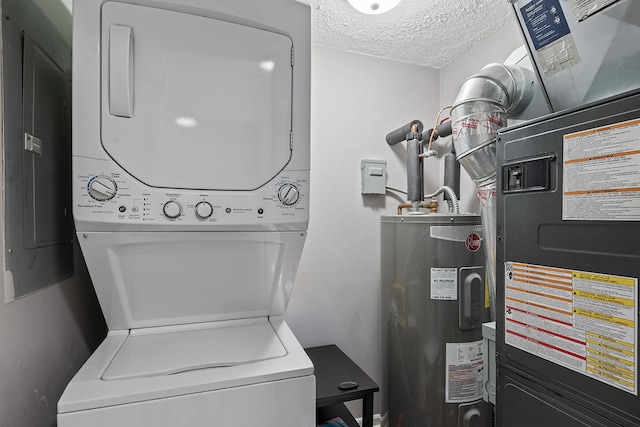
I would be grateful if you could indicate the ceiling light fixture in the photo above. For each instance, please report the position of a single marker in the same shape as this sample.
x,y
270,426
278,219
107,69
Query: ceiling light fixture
x,y
373,7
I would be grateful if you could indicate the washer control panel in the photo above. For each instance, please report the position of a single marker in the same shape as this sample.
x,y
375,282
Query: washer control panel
x,y
104,193
204,210
102,188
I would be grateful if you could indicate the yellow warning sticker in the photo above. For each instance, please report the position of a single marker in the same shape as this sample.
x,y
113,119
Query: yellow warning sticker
x,y
584,321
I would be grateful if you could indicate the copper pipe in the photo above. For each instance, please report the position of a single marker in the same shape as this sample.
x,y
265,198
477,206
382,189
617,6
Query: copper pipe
x,y
432,205
435,126
402,206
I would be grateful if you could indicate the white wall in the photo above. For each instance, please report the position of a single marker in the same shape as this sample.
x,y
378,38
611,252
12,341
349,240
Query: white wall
x,y
44,339
356,101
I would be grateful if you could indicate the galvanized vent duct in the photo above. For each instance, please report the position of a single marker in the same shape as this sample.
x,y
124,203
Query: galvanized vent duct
x,y
482,106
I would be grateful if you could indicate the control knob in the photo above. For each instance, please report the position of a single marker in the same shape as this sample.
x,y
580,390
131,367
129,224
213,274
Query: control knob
x,y
288,194
204,210
102,188
172,209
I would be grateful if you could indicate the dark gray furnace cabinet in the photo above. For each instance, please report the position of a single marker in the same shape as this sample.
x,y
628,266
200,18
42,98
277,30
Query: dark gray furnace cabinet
x,y
37,149
568,265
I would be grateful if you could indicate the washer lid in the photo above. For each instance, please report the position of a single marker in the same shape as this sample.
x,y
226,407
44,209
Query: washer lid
x,y
193,102
165,351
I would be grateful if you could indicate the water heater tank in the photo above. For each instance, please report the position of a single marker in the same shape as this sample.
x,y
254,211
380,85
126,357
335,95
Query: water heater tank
x,y
433,306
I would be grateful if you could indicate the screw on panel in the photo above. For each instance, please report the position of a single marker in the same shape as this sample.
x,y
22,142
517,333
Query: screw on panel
x,y
85,236
10,251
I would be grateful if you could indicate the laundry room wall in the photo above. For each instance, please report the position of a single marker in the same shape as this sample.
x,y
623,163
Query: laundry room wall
x,y
46,336
356,101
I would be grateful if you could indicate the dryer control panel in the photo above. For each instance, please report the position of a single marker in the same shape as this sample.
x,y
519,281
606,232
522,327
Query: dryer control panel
x,y
104,193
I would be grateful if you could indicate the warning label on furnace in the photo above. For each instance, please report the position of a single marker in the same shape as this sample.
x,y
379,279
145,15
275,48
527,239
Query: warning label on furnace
x,y
464,376
601,173
584,321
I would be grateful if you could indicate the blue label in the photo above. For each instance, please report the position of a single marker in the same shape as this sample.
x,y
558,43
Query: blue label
x,y
545,22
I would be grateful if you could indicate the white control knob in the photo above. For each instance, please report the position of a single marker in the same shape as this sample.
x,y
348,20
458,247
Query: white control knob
x,y
288,194
204,210
102,188
172,209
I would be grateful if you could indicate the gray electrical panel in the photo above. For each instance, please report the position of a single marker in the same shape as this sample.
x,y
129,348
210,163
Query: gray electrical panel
x,y
37,150
568,266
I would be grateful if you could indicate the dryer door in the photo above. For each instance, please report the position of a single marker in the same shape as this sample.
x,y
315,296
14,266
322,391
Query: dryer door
x,y
193,102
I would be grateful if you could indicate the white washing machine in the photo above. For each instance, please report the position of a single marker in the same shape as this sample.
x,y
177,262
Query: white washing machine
x,y
191,201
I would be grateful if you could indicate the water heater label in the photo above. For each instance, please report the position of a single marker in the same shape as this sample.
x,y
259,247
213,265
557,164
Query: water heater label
x,y
586,322
464,372
601,172
444,284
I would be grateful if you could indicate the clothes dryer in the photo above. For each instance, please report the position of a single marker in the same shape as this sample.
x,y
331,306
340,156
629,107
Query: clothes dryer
x,y
191,198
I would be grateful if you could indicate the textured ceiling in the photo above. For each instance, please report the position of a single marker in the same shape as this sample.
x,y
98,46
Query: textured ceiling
x,y
425,32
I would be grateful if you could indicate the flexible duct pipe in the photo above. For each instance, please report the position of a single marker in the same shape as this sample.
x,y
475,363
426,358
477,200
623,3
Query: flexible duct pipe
x,y
482,106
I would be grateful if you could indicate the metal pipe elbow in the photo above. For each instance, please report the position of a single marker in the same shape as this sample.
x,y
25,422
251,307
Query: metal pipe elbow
x,y
482,106
499,84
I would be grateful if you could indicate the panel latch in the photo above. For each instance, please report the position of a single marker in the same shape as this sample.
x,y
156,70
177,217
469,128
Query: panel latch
x,y
32,144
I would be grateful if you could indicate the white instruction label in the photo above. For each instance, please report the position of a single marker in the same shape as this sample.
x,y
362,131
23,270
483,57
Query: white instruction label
x,y
464,372
601,173
550,34
586,322
444,284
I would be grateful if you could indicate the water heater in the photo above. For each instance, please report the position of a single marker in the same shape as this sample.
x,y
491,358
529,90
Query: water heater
x,y
433,306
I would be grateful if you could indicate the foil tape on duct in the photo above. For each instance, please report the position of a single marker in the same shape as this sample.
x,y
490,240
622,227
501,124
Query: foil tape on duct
x,y
482,106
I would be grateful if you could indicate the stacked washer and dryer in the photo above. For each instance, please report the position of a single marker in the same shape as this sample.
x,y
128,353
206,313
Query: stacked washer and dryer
x,y
191,194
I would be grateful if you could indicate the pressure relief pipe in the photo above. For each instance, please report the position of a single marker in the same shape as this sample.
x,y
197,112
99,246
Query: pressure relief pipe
x,y
480,110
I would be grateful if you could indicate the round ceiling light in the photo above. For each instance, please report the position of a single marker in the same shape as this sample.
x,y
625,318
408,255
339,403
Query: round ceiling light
x,y
373,7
